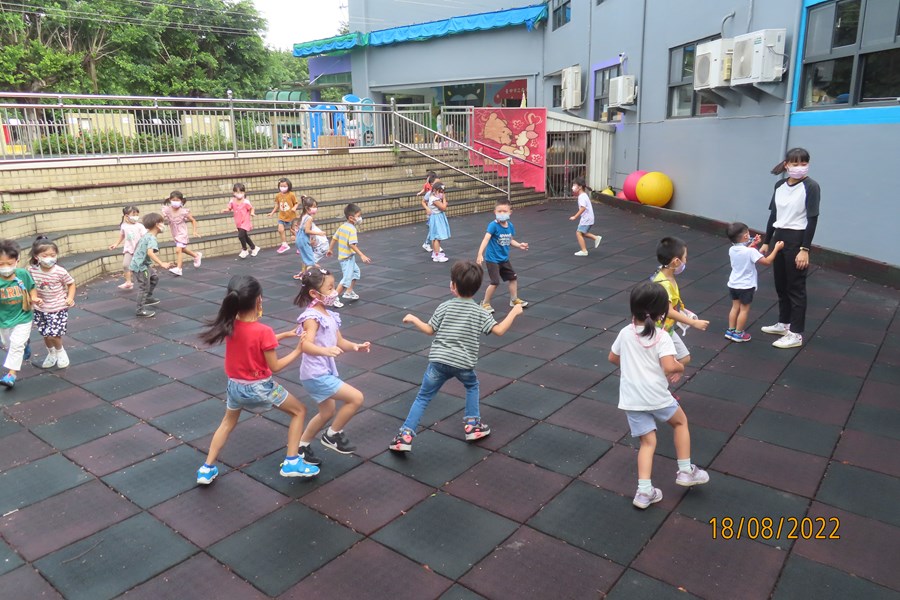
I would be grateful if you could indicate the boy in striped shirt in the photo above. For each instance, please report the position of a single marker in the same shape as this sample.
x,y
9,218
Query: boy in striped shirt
x,y
348,249
456,326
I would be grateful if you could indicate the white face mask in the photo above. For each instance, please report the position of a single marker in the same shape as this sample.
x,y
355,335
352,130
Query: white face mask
x,y
162,228
283,189
175,204
134,218
7,271
798,171
47,261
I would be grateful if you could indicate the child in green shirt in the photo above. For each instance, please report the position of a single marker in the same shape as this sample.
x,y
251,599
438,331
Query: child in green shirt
x,y
17,295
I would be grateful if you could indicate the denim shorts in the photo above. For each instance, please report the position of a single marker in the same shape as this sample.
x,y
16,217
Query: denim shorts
x,y
285,224
642,422
322,388
349,271
259,394
584,228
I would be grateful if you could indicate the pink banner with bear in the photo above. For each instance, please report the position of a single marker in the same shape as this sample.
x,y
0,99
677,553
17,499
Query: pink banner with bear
x,y
520,133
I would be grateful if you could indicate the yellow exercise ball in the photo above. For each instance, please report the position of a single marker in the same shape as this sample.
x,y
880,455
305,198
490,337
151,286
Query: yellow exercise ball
x,y
655,189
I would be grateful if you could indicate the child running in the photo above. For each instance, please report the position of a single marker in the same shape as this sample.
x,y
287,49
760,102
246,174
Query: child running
x,y
243,212
310,240
438,225
250,360
348,249
457,326
647,359
286,207
671,253
142,264
585,215
318,371
56,291
130,231
17,296
743,279
176,215
494,254
430,179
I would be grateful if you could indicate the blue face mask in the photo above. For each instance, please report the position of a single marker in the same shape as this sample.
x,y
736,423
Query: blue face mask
x,y
502,217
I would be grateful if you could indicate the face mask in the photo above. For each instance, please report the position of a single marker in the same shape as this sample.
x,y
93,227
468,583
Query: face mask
x,y
798,172
313,210
283,190
358,220
679,269
329,299
134,219
47,261
162,228
574,189
747,243
175,204
239,195
502,217
7,271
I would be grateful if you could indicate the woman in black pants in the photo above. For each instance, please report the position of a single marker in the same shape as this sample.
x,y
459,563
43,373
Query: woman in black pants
x,y
794,215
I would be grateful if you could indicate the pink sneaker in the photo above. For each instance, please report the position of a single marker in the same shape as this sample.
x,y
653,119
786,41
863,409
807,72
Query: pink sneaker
x,y
126,286
283,248
198,259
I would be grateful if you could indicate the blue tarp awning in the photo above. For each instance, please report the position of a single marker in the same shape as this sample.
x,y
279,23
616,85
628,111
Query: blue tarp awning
x,y
528,16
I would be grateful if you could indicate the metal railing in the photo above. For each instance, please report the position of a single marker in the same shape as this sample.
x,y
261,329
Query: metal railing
x,y
61,126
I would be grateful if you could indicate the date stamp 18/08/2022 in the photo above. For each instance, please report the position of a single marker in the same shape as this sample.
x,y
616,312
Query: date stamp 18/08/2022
x,y
773,528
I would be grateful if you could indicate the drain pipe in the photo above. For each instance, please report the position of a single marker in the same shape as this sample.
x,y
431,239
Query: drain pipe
x,y
640,101
789,102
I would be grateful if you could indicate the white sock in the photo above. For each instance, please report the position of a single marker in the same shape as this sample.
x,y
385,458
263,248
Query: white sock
x,y
684,465
645,486
51,350
331,432
304,444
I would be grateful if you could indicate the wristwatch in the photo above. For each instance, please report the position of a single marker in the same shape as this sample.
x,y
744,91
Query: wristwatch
x,y
804,249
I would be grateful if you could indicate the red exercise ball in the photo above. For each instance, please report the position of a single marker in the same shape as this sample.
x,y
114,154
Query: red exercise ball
x,y
621,195
630,186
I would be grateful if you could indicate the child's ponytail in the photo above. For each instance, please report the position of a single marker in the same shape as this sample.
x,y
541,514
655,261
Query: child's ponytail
x,y
649,303
243,292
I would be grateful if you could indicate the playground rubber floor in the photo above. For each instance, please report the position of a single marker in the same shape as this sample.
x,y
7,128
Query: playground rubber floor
x,y
97,461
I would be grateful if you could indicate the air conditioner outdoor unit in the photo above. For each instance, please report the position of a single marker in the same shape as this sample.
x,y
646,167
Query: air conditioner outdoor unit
x,y
758,57
712,65
571,87
621,91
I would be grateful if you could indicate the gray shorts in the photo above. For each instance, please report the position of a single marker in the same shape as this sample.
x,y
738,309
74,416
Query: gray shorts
x,y
643,422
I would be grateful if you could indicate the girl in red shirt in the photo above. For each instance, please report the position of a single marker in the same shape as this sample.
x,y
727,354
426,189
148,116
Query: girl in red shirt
x,y
250,360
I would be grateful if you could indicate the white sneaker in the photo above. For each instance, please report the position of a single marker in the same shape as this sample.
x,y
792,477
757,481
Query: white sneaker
x,y
244,254
50,360
597,241
198,259
517,301
789,340
426,247
62,359
283,248
439,257
350,296
126,286
777,328
255,251
175,271
338,303
581,253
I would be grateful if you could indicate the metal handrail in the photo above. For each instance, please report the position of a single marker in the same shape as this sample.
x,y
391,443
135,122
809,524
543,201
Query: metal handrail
x,y
449,166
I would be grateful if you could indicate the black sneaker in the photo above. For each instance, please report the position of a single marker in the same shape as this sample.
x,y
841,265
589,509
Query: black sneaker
x,y
145,313
338,442
306,453
151,301
476,431
402,442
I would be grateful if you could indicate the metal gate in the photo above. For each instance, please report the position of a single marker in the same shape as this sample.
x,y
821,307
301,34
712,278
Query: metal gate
x,y
567,158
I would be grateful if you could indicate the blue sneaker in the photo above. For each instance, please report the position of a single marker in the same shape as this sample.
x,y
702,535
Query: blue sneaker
x,y
205,474
8,380
299,468
27,354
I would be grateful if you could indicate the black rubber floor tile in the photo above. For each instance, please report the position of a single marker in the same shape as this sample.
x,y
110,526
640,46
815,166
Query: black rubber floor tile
x,y
507,486
367,498
120,449
807,405
33,387
852,489
791,432
8,426
376,357
267,470
187,365
51,524
878,421
488,383
159,401
84,426
9,560
100,333
806,578
873,393
135,550
557,448
589,356
508,364
537,347
528,399
713,413
195,421
565,378
865,549
430,534
566,332
745,568
820,381
509,571
161,477
440,407
408,369
774,466
250,440
505,426
634,585
435,458
727,387
705,443
20,448
371,431
37,480
458,592
198,577
125,384
98,369
607,391
616,471
28,584
52,406
158,353
212,382
407,341
377,573
726,496
598,521
288,544
869,451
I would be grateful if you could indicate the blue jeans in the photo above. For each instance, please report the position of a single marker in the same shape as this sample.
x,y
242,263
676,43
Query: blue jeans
x,y
435,376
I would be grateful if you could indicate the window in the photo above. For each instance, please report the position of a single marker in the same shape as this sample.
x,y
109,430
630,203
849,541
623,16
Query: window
x,y
851,55
601,94
557,96
562,13
683,100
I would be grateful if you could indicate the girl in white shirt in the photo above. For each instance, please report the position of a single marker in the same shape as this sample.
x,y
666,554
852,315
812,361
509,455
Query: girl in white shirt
x,y
646,358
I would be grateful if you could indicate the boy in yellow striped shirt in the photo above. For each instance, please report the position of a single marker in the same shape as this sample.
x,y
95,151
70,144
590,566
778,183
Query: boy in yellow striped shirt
x,y
348,249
